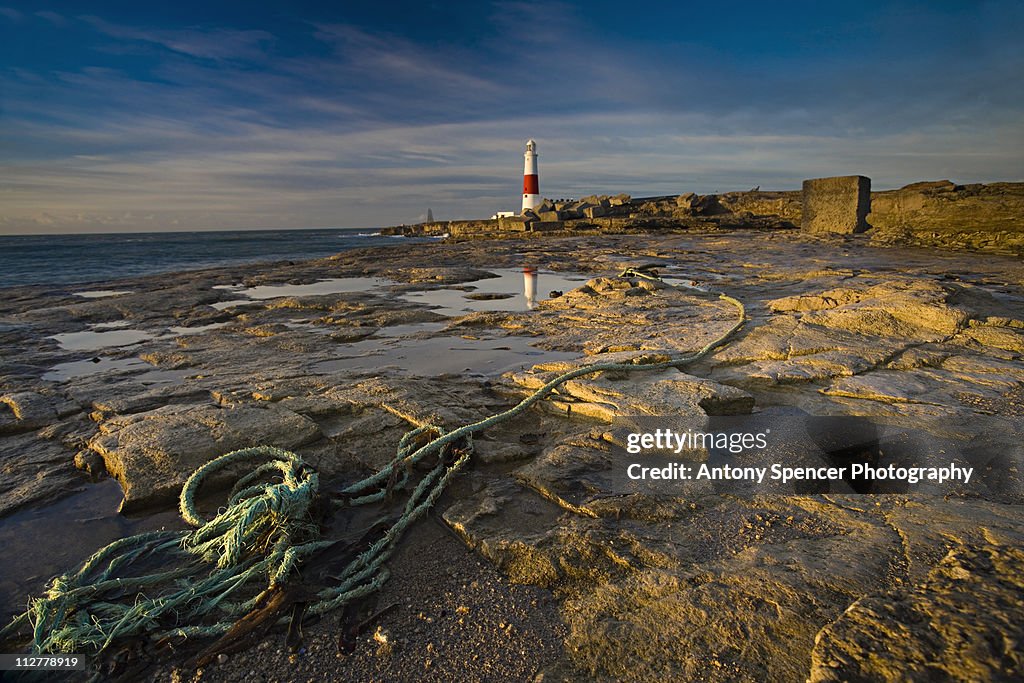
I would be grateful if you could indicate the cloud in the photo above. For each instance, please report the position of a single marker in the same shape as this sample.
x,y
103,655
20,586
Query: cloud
x,y
10,13
52,17
386,72
215,44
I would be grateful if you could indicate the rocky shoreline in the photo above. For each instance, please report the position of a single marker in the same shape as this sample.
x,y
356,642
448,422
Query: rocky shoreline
x,y
935,214
590,578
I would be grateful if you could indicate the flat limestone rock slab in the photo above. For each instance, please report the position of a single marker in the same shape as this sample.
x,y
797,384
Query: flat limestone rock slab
x,y
645,587
898,307
904,347
937,387
35,469
152,453
510,529
998,337
885,386
787,349
608,395
671,394
842,332
588,473
961,623
24,411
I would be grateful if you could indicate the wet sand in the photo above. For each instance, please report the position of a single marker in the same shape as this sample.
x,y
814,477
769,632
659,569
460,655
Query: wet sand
x,y
456,618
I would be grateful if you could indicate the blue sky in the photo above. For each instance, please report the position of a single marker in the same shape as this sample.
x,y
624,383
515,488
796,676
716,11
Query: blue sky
x,y
205,115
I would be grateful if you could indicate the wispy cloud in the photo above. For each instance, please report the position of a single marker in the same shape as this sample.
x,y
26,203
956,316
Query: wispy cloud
x,y
216,44
380,59
52,17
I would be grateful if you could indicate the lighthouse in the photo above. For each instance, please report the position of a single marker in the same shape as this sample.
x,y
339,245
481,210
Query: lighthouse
x,y
531,188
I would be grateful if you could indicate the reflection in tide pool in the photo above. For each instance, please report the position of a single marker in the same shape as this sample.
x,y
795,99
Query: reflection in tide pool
x,y
530,286
90,340
142,372
513,289
337,285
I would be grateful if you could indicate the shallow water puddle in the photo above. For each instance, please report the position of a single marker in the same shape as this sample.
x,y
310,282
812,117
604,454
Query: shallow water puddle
x,y
177,331
440,355
410,329
101,293
692,276
112,334
91,340
306,326
686,283
142,372
40,543
514,290
224,305
337,285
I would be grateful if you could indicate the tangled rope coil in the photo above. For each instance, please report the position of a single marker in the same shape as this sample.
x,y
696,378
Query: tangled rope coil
x,y
262,537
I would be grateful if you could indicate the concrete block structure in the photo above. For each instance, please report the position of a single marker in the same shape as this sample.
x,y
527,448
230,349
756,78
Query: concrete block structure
x,y
836,205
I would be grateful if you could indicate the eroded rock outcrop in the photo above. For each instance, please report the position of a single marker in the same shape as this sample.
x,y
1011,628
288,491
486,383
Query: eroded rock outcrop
x,y
902,340
960,623
948,216
725,589
152,453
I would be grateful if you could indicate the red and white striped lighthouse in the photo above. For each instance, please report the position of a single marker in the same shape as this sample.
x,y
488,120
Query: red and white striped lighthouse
x,y
531,188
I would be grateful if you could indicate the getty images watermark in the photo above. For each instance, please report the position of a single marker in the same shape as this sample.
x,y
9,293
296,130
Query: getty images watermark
x,y
860,466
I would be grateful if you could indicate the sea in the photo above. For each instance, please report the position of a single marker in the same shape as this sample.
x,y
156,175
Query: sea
x,y
73,259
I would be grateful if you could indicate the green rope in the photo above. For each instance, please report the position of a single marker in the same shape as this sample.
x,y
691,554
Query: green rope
x,y
262,537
